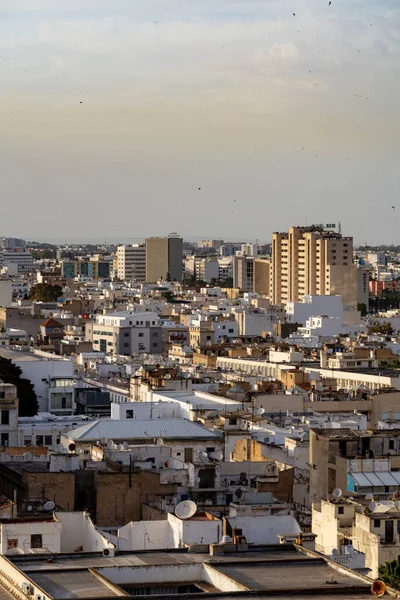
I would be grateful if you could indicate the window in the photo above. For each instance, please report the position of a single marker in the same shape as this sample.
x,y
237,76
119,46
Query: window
x,y
36,540
377,522
4,439
391,445
232,421
155,334
39,440
48,440
2,394
5,417
126,334
12,543
155,345
211,449
341,510
141,334
126,345
27,441
129,414
209,337
63,402
189,455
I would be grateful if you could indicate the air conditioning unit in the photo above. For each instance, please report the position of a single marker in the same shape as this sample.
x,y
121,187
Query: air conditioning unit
x,y
109,552
27,588
38,596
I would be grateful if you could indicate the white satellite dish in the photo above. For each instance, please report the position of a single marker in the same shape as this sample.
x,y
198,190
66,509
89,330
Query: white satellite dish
x,y
397,505
79,451
187,375
49,505
185,509
206,380
372,506
334,552
125,445
167,376
29,508
159,441
219,455
103,440
110,443
337,493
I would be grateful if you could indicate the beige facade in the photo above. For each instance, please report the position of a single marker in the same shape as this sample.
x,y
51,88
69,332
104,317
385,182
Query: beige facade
x,y
131,262
261,276
164,259
308,260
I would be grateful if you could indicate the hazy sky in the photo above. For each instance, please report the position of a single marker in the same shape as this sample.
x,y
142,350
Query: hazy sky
x,y
114,112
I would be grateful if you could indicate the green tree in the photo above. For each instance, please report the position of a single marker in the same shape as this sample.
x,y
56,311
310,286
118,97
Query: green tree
x,y
382,328
44,292
362,308
168,295
390,573
10,373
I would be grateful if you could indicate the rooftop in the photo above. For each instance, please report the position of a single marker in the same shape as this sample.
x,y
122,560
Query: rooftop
x,y
142,429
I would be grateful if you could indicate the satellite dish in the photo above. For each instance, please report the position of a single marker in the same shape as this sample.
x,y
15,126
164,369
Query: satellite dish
x,y
167,376
104,440
219,455
59,448
334,552
206,380
125,445
71,447
238,493
79,451
49,505
337,493
397,505
187,376
185,509
29,508
110,444
372,506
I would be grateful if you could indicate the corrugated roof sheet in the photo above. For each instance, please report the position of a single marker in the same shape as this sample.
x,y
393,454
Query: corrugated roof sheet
x,y
258,498
146,429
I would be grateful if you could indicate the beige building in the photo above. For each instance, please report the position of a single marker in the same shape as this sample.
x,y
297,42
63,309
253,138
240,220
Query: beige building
x,y
311,260
261,275
131,262
243,272
164,259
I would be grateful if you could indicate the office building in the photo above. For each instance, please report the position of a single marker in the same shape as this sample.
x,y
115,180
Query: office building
x,y
313,260
126,333
164,258
16,261
131,262
95,268
11,243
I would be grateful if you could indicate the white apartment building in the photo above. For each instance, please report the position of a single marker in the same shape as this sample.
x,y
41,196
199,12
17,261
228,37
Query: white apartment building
x,y
206,269
131,262
312,260
21,262
126,333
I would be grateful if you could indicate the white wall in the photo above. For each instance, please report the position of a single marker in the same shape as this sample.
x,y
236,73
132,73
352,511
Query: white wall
x,y
78,530
313,306
22,531
145,535
265,529
6,293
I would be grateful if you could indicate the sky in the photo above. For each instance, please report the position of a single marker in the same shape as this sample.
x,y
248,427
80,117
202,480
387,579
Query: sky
x,y
113,113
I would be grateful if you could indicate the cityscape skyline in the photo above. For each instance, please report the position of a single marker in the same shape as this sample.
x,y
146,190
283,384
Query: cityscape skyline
x,y
137,107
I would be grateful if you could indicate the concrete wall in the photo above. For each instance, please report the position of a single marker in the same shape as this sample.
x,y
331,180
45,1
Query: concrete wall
x,y
22,532
78,530
153,575
145,535
221,581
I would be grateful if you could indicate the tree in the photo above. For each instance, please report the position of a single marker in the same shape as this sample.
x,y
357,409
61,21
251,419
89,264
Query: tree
x,y
390,573
382,328
44,292
362,308
10,373
168,295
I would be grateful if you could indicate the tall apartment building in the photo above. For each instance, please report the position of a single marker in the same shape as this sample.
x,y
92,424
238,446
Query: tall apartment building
x,y
131,262
11,243
262,276
243,272
312,261
164,258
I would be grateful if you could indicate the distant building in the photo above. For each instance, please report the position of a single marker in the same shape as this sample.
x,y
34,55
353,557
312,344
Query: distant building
x,y
164,258
131,262
243,272
16,261
211,244
8,415
95,268
8,243
312,260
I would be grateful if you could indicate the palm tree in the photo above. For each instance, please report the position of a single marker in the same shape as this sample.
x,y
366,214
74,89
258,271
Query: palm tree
x,y
390,573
